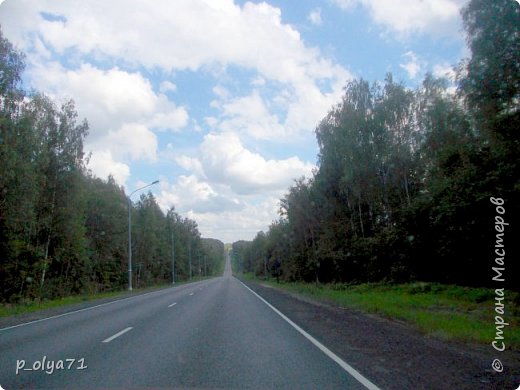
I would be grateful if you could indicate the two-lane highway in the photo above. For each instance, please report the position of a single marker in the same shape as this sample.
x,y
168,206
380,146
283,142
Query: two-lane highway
x,y
210,334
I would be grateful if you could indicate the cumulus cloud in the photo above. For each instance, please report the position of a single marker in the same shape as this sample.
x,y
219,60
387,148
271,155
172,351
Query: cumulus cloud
x,y
177,35
231,191
132,141
121,78
186,35
231,226
291,113
406,17
103,165
109,98
122,109
249,115
224,159
190,194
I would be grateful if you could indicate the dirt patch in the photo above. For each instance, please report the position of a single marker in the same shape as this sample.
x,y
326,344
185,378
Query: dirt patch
x,y
393,354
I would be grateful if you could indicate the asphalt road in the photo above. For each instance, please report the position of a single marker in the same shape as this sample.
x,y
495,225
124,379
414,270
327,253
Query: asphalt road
x,y
210,334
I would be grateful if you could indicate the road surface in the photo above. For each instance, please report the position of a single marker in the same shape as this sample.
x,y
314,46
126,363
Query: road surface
x,y
210,334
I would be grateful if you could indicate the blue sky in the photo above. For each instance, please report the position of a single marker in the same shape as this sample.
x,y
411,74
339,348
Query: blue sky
x,y
219,99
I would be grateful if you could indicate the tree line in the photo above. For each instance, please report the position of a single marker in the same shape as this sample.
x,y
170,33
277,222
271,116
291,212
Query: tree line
x,y
405,176
64,231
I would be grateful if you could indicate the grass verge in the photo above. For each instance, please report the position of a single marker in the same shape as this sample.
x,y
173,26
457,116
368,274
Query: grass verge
x,y
9,309
445,311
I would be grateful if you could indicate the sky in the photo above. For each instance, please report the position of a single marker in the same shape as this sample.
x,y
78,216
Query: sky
x,y
219,99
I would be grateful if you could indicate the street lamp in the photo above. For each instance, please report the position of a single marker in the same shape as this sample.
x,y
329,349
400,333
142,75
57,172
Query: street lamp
x,y
130,233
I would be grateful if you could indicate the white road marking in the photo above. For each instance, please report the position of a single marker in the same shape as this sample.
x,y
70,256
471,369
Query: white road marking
x,y
80,310
191,293
117,335
173,304
347,367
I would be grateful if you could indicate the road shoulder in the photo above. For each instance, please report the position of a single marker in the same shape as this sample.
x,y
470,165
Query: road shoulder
x,y
393,354
18,319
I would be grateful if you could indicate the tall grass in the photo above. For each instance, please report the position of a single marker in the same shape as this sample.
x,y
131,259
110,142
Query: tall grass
x,y
447,311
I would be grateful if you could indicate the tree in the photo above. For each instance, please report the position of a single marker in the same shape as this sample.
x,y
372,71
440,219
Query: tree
x,y
60,231
11,67
106,231
491,77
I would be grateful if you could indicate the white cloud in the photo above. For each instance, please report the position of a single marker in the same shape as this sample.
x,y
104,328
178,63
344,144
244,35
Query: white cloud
x,y
167,86
191,164
190,194
224,160
231,192
258,82
407,17
181,35
230,226
109,98
131,141
315,17
121,107
413,66
250,115
103,164
176,35
288,115
93,52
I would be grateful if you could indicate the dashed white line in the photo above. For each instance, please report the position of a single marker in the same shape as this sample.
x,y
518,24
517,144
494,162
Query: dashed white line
x,y
173,304
191,293
347,367
117,335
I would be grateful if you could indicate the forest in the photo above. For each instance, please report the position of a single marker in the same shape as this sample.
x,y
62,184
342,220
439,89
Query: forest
x,y
408,180
64,231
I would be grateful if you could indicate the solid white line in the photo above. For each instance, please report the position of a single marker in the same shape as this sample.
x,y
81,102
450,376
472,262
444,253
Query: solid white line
x,y
80,310
348,368
173,304
117,335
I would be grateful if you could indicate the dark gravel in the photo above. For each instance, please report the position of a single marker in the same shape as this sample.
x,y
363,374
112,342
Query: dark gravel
x,y
392,354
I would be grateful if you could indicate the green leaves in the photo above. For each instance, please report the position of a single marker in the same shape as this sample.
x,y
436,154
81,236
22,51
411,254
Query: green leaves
x,y
404,176
63,231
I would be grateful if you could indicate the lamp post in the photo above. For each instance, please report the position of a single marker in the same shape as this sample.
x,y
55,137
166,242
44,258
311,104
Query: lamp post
x,y
173,254
130,233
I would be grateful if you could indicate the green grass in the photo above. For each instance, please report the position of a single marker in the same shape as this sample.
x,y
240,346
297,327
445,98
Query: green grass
x,y
444,311
9,309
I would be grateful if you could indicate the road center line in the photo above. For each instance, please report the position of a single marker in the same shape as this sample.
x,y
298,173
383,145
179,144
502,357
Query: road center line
x,y
347,367
173,304
191,293
117,335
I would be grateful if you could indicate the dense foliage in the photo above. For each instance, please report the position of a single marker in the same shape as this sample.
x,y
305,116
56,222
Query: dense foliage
x,y
64,231
405,176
